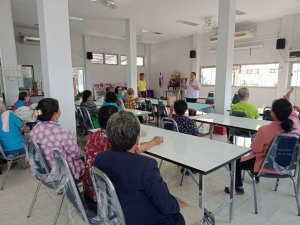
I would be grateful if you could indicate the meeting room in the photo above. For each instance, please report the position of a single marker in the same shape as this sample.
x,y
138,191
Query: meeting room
x,y
148,112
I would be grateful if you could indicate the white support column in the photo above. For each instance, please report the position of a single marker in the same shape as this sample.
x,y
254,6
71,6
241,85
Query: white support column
x,y
147,63
284,72
225,46
131,53
88,64
196,61
8,53
56,57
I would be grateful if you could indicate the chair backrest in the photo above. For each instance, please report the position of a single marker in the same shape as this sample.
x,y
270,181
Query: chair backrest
x,y
235,99
8,157
169,124
148,105
80,117
162,109
239,112
283,155
68,186
211,94
109,208
267,114
36,159
87,118
210,101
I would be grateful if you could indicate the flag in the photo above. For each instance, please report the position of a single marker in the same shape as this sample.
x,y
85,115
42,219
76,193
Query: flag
x,y
161,80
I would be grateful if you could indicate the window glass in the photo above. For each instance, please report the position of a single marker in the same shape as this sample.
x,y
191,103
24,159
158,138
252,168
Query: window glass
x,y
97,58
111,59
295,73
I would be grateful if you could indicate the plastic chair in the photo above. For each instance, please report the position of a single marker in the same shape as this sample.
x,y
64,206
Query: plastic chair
x,y
282,161
87,118
235,99
267,114
41,171
211,94
109,208
12,159
82,205
149,108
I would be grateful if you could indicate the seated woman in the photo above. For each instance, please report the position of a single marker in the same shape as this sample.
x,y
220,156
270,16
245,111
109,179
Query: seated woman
x,y
112,99
144,196
23,100
99,142
118,91
87,102
131,102
185,124
49,136
10,134
285,119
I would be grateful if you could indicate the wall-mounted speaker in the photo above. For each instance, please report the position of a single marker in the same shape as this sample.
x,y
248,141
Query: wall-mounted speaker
x,y
89,55
192,54
280,44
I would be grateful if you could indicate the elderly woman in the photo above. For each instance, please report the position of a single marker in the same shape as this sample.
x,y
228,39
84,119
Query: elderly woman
x,y
50,136
87,102
285,119
98,142
112,99
144,196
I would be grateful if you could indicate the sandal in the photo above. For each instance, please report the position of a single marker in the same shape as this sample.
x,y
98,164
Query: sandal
x,y
238,191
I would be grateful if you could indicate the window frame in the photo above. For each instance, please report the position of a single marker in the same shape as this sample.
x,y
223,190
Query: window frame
x,y
234,75
100,53
136,59
104,58
291,72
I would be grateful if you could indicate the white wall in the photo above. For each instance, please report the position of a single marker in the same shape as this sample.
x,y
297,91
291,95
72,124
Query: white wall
x,y
174,55
168,57
30,55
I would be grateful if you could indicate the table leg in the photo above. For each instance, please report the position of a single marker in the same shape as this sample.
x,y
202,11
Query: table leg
x,y
211,130
232,189
201,190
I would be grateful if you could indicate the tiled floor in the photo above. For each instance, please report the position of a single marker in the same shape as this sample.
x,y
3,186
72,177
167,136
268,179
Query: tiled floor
x,y
274,207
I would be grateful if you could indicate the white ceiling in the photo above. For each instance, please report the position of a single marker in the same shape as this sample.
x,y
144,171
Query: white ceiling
x,y
155,15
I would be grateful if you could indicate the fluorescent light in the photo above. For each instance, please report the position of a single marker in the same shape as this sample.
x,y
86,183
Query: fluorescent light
x,y
241,48
75,18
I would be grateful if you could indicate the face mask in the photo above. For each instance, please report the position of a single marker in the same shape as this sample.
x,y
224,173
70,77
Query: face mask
x,y
27,99
1,99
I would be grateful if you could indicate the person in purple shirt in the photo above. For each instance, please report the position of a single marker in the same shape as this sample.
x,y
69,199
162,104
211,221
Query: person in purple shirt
x,y
143,195
185,124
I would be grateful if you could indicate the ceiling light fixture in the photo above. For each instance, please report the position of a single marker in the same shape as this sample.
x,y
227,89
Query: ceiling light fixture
x,y
108,3
75,18
150,31
209,23
187,23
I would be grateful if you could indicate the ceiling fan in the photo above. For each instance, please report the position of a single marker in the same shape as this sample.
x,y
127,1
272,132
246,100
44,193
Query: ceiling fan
x,y
112,4
209,23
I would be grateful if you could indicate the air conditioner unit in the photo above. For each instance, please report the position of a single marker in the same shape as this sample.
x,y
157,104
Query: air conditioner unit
x,y
293,55
29,40
240,35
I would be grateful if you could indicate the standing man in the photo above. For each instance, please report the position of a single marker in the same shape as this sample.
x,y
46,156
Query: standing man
x,y
192,89
142,87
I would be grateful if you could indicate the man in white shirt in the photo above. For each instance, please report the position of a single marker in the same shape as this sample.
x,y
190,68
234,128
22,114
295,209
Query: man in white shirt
x,y
192,89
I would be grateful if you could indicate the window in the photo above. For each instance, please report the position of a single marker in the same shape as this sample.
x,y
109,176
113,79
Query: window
x,y
97,58
257,75
139,60
78,73
111,59
295,74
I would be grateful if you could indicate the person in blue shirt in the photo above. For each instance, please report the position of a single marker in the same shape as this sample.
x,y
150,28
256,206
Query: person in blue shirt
x,y
23,100
112,99
10,134
118,91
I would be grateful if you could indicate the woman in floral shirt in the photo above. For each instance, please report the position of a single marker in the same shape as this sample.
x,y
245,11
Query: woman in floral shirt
x,y
49,136
99,142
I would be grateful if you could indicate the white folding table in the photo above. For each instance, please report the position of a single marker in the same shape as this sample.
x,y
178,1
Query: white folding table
x,y
230,122
195,153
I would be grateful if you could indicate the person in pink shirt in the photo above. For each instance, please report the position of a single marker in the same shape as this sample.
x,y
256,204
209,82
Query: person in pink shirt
x,y
50,136
285,119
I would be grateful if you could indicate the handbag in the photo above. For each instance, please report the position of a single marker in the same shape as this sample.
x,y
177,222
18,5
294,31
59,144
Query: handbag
x,y
95,121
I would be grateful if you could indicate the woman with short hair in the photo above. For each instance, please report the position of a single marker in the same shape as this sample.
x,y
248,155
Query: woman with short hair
x,y
87,102
144,196
119,91
285,120
50,136
112,99
23,100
